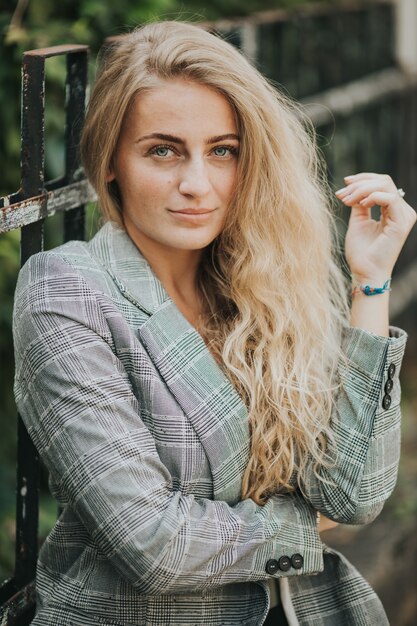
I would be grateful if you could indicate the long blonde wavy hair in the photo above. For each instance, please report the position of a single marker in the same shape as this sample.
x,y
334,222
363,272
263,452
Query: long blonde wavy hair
x,y
276,299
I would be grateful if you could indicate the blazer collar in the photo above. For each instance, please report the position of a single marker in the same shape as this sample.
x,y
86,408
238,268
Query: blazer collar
x,y
201,388
128,268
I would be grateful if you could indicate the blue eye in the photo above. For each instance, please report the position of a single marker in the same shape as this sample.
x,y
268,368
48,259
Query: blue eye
x,y
161,151
225,151
221,151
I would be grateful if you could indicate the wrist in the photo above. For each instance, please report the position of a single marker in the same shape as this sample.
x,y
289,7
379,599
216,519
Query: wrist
x,y
373,278
370,286
371,313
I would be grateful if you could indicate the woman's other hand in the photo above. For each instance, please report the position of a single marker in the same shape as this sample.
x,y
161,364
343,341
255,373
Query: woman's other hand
x,y
325,524
373,246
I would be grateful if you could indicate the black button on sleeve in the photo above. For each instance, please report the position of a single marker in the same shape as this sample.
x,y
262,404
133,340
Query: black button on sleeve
x,y
391,370
386,401
388,385
271,566
284,563
297,561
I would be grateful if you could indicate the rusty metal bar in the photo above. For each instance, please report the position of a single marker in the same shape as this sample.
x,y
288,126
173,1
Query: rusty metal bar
x,y
19,609
33,201
27,509
33,180
32,210
74,107
54,51
33,122
74,219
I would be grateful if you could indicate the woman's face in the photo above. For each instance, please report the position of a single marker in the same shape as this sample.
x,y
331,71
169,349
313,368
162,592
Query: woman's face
x,y
175,165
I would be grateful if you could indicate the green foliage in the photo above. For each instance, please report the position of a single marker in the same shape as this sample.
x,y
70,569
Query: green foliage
x,y
9,263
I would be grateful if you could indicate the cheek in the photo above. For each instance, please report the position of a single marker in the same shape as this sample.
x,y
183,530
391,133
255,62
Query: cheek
x,y
154,191
156,188
154,180
148,184
229,182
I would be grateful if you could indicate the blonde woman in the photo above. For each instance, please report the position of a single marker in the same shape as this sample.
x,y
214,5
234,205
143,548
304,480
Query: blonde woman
x,y
192,377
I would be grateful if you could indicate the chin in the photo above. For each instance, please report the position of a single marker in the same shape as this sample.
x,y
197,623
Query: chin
x,y
193,243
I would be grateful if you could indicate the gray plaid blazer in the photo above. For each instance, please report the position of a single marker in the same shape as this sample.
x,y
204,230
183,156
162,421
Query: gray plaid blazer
x,y
146,441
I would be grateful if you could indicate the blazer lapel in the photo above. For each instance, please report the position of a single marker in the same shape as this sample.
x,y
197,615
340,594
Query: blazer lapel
x,y
128,268
205,394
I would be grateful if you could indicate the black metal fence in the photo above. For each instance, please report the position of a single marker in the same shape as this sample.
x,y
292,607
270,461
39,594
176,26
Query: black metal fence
x,y
319,46
27,209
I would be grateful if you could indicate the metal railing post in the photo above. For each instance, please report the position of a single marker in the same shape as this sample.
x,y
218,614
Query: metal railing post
x,y
27,208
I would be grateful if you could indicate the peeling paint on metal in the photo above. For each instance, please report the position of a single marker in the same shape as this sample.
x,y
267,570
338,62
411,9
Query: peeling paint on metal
x,y
20,214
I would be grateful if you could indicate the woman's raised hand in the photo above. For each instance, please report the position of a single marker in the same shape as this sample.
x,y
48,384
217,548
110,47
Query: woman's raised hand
x,y
372,246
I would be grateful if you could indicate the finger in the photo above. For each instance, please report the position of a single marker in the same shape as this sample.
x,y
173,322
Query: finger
x,y
364,175
381,198
355,192
393,207
360,212
384,181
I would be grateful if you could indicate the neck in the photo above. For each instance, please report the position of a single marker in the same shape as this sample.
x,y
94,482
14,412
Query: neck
x,y
176,269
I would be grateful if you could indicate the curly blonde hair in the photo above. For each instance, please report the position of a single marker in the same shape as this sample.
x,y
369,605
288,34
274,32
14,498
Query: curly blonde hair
x,y
276,299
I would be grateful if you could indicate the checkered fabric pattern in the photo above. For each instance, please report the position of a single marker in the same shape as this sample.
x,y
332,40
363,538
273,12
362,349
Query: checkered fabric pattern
x,y
146,442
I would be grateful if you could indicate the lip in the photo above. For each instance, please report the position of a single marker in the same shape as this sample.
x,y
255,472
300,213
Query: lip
x,y
193,211
192,216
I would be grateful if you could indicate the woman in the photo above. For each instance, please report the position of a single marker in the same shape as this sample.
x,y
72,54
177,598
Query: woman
x,y
189,376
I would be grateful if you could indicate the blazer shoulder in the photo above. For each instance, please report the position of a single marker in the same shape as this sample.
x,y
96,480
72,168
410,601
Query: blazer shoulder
x,y
75,258
73,253
83,270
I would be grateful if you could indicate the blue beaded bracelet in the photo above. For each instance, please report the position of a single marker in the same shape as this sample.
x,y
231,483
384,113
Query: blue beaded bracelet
x,y
372,291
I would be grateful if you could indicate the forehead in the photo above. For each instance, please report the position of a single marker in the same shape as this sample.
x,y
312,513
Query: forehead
x,y
183,104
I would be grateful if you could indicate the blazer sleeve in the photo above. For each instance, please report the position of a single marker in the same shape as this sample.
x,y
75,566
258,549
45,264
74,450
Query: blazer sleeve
x,y
366,423
75,398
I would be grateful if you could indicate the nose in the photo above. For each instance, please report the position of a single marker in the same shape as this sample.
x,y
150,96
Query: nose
x,y
194,179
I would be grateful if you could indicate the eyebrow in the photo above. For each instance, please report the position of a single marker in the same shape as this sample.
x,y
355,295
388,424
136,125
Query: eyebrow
x,y
174,139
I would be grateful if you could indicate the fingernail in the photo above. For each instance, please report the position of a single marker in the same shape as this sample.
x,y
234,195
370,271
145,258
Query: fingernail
x,y
341,190
349,177
363,201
